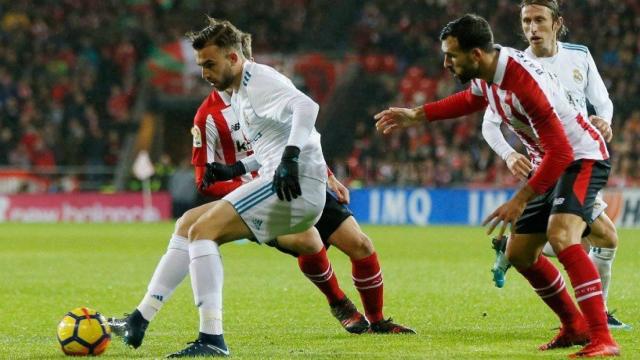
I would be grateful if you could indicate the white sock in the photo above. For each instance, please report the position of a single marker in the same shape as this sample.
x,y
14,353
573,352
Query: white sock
x,y
603,259
171,270
206,280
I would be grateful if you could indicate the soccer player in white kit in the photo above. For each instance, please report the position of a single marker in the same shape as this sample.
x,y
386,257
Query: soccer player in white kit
x,y
287,197
556,202
542,25
218,140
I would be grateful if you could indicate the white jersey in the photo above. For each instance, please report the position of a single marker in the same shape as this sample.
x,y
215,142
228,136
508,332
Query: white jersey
x,y
516,72
263,105
578,74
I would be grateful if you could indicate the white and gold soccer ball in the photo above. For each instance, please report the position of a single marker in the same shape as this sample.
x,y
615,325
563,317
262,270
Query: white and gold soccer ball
x,y
84,331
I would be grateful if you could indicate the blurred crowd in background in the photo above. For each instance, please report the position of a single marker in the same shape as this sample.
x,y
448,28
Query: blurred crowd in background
x,y
70,72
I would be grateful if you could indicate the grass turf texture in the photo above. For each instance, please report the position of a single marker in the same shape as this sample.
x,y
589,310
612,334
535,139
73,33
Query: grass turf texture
x,y
437,280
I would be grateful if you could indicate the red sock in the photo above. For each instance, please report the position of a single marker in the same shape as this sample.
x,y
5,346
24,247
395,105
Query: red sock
x,y
549,285
588,290
318,269
367,278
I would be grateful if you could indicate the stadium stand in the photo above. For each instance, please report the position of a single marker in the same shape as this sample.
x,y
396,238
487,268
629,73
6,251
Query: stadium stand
x,y
71,73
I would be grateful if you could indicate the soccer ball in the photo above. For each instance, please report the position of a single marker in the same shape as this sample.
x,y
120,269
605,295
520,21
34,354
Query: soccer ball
x,y
84,331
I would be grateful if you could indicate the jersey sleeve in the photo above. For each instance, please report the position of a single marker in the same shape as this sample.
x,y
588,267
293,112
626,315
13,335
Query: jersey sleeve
x,y
596,91
251,163
276,98
270,95
456,105
218,189
199,141
493,135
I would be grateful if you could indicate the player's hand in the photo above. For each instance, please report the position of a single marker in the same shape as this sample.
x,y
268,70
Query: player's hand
x,y
285,181
509,212
393,118
519,165
602,126
221,172
341,191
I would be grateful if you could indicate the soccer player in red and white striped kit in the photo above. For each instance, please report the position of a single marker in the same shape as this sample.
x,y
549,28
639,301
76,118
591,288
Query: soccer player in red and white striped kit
x,y
219,143
556,203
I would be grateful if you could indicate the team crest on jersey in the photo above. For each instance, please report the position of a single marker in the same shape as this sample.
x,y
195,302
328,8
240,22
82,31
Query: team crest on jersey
x,y
577,76
197,136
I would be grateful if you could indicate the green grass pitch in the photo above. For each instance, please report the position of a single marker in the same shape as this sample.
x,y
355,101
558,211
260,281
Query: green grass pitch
x,y
437,281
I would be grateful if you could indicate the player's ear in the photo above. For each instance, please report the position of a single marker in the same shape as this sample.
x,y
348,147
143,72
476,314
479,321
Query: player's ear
x,y
559,23
233,57
476,54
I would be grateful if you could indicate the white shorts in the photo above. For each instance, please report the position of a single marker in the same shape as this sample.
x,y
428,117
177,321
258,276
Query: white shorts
x,y
598,206
269,217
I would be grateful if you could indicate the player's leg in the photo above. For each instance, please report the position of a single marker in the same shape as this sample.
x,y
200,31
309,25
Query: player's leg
x,y
252,210
577,188
604,242
169,273
316,267
366,273
216,226
333,215
313,266
564,235
523,251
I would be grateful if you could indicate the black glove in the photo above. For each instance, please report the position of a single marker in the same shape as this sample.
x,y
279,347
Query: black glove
x,y
220,172
285,180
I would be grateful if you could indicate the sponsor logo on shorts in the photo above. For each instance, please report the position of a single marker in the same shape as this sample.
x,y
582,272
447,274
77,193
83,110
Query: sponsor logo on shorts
x,y
558,201
257,223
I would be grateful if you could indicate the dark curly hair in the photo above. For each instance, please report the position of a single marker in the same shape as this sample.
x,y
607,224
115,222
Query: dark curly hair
x,y
471,30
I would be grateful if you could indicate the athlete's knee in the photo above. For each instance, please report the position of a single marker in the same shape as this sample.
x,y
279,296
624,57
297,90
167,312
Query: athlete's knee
x,y
564,230
306,248
361,246
201,229
604,234
182,225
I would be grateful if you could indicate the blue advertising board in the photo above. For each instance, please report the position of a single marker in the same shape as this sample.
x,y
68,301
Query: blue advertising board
x,y
424,206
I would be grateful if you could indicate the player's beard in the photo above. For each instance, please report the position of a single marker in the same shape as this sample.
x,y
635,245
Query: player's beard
x,y
225,81
466,74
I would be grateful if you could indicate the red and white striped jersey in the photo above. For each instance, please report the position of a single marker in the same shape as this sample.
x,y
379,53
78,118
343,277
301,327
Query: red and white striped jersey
x,y
531,101
217,137
523,92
